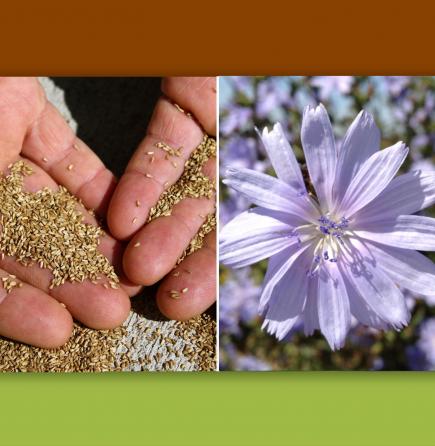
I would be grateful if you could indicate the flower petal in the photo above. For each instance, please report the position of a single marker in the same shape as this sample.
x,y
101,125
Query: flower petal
x,y
410,269
373,177
311,315
333,307
278,267
320,152
269,192
279,329
255,235
361,311
362,140
373,285
405,231
406,194
287,301
282,157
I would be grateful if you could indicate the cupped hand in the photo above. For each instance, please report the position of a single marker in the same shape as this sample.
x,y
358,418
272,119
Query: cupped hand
x,y
33,130
155,247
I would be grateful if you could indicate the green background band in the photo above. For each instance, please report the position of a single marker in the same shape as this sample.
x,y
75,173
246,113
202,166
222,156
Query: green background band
x,y
228,408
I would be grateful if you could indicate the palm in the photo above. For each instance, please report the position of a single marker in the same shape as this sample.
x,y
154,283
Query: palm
x,y
32,129
154,248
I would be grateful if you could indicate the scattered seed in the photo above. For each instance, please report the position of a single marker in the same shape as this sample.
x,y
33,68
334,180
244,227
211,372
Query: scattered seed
x,y
137,203
44,159
134,220
174,164
70,167
185,290
75,146
136,245
176,274
174,294
148,175
150,153
151,159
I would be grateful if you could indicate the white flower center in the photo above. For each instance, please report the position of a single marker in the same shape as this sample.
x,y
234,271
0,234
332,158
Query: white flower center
x,y
330,233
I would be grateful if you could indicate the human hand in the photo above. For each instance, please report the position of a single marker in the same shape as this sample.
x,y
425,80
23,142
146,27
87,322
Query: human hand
x,y
33,130
155,247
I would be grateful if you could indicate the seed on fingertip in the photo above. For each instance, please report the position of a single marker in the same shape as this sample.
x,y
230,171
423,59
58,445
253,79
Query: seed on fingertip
x,y
44,159
136,245
134,220
137,203
70,167
148,175
185,290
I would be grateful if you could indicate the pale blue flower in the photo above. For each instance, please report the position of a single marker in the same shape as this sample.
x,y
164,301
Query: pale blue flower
x,y
238,301
421,356
328,85
343,251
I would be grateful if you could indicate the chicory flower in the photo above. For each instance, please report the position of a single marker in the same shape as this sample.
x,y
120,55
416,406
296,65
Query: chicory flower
x,y
342,245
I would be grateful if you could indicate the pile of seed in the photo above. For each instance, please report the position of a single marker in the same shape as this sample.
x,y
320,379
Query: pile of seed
x,y
86,351
146,341
47,228
192,184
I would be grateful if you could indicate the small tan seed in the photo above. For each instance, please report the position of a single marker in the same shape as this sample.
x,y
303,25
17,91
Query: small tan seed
x,y
70,167
136,245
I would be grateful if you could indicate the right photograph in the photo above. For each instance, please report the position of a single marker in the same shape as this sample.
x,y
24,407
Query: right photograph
x,y
326,223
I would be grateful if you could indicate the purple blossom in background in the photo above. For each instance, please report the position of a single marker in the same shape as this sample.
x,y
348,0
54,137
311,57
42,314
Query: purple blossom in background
x,y
327,85
422,355
238,301
251,363
425,165
236,118
240,152
272,94
397,84
232,206
342,252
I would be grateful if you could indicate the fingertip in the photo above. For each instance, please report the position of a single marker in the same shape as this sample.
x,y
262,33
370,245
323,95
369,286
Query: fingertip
x,y
30,316
190,288
97,307
138,267
60,330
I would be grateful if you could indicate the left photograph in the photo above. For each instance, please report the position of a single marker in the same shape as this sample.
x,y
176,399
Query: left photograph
x,y
107,224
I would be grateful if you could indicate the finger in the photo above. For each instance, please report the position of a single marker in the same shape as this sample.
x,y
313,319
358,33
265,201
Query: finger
x,y
155,249
90,303
21,101
51,144
29,315
196,95
191,288
150,170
